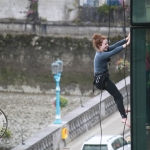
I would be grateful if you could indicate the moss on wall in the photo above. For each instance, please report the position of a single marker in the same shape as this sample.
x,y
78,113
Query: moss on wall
x,y
27,59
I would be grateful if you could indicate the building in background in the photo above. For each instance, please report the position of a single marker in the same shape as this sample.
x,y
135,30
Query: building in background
x,y
93,3
113,2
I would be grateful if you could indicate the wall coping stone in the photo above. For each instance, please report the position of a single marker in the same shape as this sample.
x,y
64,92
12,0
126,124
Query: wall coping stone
x,y
59,23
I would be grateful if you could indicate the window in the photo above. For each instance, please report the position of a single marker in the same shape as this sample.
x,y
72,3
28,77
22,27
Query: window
x,y
140,74
93,3
122,141
140,81
95,147
116,144
140,11
113,2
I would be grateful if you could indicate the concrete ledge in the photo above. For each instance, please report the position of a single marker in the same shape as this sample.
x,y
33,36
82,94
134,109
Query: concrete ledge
x,y
58,29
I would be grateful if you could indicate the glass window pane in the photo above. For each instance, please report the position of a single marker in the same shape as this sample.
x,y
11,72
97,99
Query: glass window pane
x,y
116,144
95,147
89,3
122,142
140,11
140,81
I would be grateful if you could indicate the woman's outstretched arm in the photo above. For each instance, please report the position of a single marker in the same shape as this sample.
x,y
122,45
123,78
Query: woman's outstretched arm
x,y
119,43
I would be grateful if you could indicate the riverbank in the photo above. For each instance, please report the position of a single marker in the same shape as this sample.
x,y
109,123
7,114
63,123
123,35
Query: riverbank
x,y
27,114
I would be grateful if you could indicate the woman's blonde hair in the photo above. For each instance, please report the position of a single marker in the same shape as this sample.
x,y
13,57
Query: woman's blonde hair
x,y
97,40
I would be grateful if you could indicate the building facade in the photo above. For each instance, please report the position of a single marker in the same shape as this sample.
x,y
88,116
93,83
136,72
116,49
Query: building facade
x,y
140,74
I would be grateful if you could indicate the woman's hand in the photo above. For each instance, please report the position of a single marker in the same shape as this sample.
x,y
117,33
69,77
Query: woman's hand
x,y
128,37
128,42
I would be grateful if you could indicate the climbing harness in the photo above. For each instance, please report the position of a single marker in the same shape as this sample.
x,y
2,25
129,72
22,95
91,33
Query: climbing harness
x,y
101,80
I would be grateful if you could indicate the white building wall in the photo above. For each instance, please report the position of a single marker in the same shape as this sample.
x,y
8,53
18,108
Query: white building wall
x,y
14,9
101,2
58,10
50,10
82,2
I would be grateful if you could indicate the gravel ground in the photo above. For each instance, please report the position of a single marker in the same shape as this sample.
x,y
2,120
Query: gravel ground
x,y
27,114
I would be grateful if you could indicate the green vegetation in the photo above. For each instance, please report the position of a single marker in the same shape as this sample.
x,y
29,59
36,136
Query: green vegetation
x,y
63,102
7,134
32,12
105,8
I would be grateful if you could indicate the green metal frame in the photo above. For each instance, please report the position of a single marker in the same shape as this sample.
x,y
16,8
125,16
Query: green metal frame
x,y
138,88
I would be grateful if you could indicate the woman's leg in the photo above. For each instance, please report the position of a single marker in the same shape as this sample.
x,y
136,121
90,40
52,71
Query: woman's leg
x,y
112,89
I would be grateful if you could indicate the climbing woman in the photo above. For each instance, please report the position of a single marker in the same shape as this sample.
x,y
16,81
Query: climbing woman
x,y
101,73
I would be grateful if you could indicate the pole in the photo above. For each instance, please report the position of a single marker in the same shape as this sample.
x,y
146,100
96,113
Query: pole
x,y
58,116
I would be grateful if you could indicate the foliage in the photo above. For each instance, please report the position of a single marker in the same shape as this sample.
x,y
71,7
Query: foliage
x,y
105,8
75,5
7,134
114,39
76,20
121,64
70,9
33,9
33,6
63,102
22,65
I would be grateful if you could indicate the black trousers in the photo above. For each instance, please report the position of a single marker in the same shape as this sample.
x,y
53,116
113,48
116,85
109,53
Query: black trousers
x,y
118,98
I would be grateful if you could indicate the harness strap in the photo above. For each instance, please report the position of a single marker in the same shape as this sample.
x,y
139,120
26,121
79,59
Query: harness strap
x,y
97,77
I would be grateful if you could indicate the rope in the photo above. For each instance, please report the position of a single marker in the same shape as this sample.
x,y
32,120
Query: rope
x,y
100,119
102,82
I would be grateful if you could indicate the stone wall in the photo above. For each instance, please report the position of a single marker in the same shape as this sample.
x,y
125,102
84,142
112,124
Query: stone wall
x,y
62,29
25,63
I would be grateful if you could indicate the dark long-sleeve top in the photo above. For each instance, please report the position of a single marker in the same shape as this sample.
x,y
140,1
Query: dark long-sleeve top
x,y
100,59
